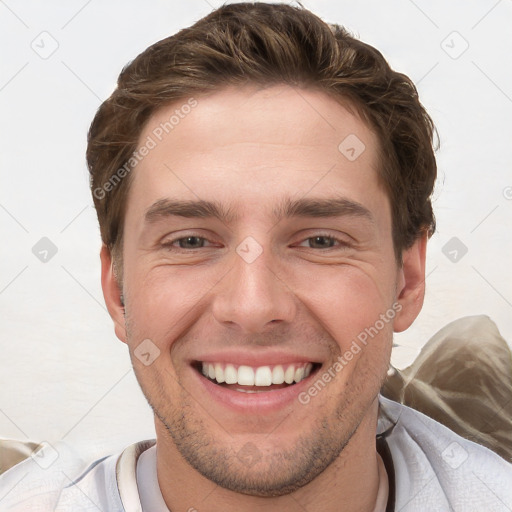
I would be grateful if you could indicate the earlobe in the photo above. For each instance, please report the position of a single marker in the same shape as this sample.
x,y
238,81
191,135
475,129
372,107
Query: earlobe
x,y
112,293
411,284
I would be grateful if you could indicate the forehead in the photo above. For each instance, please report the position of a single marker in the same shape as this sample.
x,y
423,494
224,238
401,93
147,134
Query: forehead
x,y
251,146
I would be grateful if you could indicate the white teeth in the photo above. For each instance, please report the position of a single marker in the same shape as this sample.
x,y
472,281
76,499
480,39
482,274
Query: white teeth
x,y
230,374
259,376
219,373
289,374
277,375
245,376
263,376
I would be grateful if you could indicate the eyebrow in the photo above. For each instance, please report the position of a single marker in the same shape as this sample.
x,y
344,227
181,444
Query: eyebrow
x,y
322,207
305,207
191,209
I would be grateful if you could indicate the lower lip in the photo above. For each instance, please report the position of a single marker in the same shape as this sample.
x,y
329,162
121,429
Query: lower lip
x,y
257,403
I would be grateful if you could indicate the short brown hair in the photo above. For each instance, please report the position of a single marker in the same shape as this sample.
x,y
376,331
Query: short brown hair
x,y
266,44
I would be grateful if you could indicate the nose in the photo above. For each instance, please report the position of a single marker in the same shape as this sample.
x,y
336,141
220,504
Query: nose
x,y
252,295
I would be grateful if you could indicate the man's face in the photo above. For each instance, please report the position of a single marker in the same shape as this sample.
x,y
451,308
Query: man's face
x,y
281,282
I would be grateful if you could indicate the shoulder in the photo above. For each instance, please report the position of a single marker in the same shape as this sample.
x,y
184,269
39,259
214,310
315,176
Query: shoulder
x,y
33,474
52,477
437,469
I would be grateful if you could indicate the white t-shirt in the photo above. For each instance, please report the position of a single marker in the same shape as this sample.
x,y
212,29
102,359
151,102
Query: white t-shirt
x,y
433,469
151,498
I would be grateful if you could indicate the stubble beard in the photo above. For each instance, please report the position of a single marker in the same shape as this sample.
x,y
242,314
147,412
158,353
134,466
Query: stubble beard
x,y
276,473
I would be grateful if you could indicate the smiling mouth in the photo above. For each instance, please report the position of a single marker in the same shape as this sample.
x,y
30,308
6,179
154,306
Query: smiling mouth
x,y
250,379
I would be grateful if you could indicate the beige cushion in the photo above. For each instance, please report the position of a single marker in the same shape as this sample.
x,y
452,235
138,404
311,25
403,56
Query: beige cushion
x,y
12,452
463,379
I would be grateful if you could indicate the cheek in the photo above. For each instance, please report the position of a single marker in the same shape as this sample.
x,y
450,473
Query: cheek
x,y
348,300
354,305
165,301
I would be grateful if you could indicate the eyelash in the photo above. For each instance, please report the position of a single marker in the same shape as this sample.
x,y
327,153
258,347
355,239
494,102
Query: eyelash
x,y
170,244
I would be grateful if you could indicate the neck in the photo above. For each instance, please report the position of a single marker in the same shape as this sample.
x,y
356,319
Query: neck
x,y
350,483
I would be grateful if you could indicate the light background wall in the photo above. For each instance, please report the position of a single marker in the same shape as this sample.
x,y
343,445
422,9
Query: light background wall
x,y
63,373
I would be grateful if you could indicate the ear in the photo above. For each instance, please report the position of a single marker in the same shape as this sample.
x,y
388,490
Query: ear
x,y
112,293
411,284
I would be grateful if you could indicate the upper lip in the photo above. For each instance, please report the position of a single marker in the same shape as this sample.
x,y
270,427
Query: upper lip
x,y
254,358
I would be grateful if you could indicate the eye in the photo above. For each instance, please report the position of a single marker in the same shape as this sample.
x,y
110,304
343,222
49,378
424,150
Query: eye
x,y
187,242
324,242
